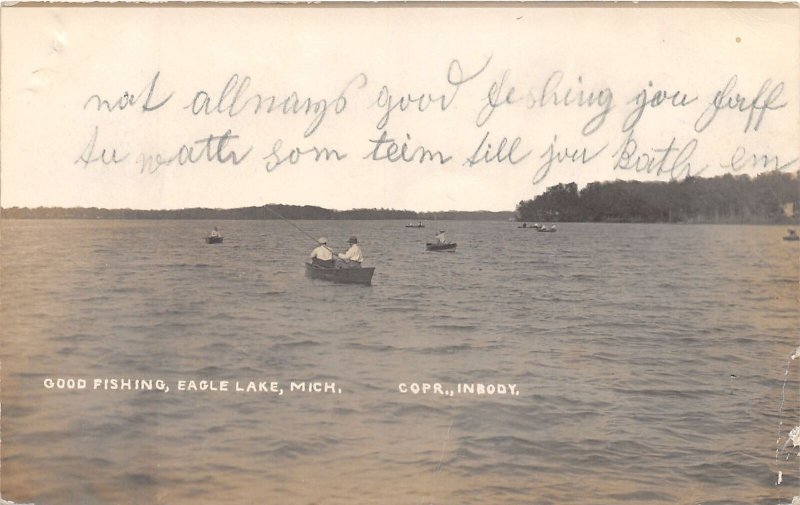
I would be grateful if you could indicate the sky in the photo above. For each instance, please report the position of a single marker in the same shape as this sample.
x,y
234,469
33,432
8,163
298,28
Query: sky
x,y
95,101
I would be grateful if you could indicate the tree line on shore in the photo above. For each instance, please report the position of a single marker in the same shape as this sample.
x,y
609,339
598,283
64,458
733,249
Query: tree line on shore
x,y
771,197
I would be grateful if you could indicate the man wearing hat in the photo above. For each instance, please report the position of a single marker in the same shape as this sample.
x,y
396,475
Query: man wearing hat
x,y
353,257
322,255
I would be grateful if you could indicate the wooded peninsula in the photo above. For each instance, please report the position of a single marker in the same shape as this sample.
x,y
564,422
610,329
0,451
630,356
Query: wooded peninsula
x,y
769,198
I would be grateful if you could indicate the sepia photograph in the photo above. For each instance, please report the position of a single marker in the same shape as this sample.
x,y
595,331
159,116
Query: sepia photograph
x,y
402,254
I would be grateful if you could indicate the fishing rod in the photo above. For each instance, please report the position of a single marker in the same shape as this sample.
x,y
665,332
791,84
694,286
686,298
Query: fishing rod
x,y
291,223
299,229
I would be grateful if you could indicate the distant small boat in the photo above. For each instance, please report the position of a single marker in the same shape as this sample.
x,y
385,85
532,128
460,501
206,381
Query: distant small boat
x,y
213,240
545,229
415,226
792,235
361,275
433,246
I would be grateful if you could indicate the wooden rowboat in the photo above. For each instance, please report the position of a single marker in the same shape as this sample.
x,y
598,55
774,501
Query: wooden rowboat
x,y
361,275
213,240
433,246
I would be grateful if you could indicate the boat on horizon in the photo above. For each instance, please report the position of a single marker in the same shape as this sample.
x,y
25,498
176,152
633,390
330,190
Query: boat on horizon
x,y
792,235
213,240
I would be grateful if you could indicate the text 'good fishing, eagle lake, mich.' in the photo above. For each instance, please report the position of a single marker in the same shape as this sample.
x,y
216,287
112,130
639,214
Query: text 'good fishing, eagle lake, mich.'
x,y
266,386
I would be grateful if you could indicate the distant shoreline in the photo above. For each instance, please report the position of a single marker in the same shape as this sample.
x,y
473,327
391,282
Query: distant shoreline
x,y
264,212
302,214
769,198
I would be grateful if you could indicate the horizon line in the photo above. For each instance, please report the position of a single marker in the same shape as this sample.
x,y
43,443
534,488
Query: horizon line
x,y
2,208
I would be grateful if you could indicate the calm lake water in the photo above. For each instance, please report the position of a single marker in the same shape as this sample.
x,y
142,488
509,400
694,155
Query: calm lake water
x,y
650,362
